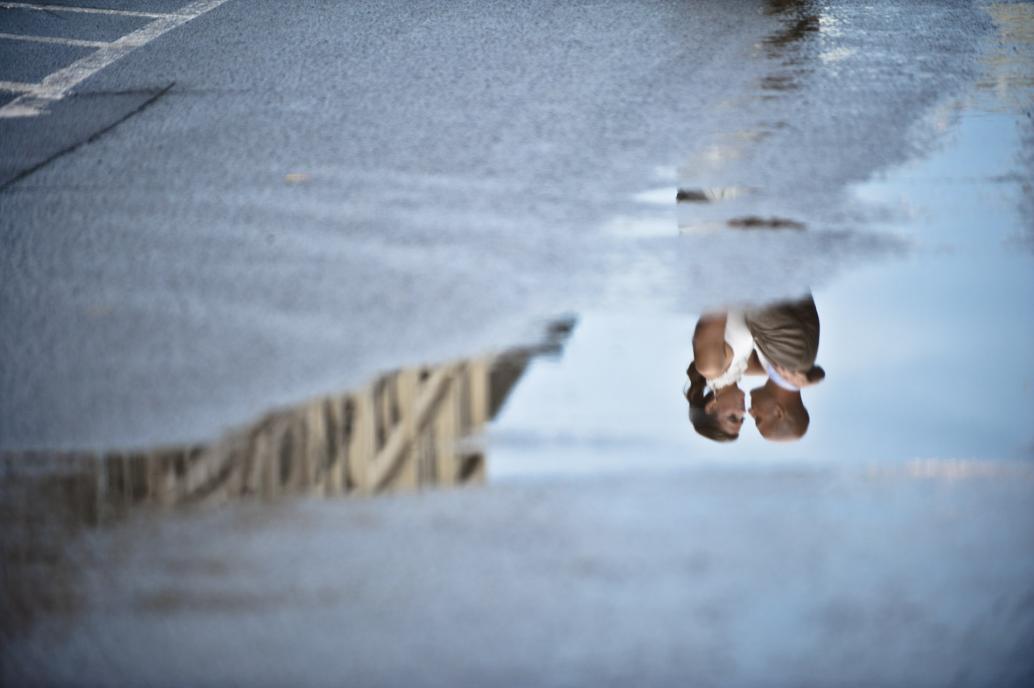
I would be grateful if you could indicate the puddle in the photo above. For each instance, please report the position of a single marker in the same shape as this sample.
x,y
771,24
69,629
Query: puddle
x,y
403,431
409,429
786,47
755,222
909,375
800,23
926,356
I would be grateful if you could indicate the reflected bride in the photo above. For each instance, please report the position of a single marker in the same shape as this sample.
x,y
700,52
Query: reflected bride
x,y
716,414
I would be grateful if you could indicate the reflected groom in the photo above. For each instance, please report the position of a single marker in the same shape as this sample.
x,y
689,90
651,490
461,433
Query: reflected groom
x,y
786,340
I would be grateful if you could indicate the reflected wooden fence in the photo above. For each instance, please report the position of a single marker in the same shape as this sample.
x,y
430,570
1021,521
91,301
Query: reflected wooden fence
x,y
403,431
407,429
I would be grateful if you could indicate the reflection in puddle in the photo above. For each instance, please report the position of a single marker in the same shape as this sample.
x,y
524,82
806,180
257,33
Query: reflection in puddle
x,y
778,82
801,20
755,222
790,51
779,341
796,29
710,195
403,431
698,221
930,373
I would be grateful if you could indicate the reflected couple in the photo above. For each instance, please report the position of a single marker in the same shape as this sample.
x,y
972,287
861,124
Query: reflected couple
x,y
779,341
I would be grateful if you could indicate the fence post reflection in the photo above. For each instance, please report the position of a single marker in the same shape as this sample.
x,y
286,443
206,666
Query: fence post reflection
x,y
403,431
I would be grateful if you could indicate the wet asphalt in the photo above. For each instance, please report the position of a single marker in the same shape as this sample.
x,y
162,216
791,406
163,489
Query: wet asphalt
x,y
270,203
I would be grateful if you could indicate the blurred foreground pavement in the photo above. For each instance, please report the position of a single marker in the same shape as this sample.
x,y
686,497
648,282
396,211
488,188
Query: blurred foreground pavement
x,y
914,576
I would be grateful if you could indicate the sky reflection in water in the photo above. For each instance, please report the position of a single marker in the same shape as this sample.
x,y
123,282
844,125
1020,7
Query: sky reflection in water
x,y
927,355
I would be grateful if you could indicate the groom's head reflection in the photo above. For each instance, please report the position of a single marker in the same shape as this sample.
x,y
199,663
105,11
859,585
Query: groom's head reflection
x,y
778,413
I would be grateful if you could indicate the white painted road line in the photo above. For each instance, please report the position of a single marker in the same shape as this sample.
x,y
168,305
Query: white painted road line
x,y
82,10
57,85
18,87
56,41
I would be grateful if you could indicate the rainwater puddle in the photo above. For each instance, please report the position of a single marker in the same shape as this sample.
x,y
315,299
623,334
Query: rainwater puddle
x,y
926,356
405,430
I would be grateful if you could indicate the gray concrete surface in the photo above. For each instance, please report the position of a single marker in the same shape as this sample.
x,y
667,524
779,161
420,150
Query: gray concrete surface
x,y
470,170
778,577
